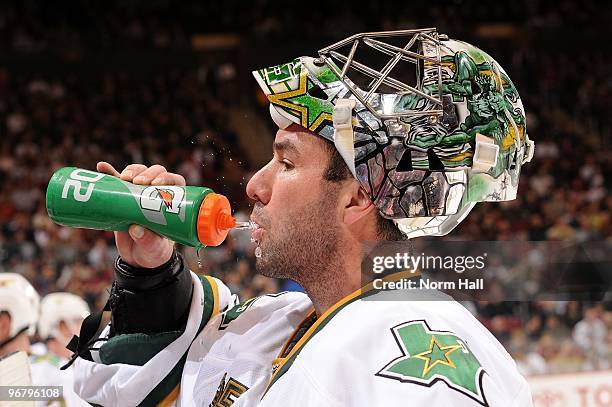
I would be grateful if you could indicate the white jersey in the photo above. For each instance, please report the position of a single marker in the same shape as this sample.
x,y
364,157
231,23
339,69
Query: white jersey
x,y
366,350
45,369
372,349
230,357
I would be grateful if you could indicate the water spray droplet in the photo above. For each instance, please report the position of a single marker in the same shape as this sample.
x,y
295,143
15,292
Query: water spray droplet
x,y
199,257
246,225
258,251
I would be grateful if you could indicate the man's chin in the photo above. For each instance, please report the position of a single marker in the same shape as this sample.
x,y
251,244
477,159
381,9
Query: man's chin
x,y
267,268
263,267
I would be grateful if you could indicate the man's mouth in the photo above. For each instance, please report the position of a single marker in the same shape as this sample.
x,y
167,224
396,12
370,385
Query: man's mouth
x,y
257,233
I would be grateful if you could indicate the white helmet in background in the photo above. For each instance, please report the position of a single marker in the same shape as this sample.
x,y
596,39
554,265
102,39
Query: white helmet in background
x,y
57,307
21,301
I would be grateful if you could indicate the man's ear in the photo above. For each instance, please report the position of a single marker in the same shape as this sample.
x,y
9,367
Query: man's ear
x,y
358,204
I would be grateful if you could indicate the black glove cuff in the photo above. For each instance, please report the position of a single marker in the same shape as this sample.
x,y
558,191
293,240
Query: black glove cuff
x,y
140,278
150,300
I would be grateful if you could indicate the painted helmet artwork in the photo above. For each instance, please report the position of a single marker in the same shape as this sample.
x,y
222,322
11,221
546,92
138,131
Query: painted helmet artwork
x,y
428,125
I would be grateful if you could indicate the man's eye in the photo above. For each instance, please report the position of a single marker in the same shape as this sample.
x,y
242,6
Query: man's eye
x,y
286,164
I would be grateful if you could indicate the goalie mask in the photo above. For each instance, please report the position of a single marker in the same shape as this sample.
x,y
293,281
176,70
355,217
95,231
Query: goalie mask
x,y
427,125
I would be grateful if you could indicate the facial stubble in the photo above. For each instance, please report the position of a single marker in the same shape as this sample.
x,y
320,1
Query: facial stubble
x,y
305,247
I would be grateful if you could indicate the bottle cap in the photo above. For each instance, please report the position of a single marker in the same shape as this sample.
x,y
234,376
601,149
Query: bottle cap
x,y
214,219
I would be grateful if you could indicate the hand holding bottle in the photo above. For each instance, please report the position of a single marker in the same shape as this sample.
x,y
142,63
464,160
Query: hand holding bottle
x,y
141,247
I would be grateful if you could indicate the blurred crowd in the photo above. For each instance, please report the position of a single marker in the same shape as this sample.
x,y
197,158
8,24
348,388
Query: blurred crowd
x,y
175,118
50,123
32,25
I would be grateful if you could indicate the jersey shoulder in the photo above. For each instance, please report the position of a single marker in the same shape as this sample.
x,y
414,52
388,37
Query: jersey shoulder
x,y
256,307
410,348
258,326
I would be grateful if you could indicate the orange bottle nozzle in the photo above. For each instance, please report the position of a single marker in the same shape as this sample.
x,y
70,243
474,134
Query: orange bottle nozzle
x,y
226,221
214,220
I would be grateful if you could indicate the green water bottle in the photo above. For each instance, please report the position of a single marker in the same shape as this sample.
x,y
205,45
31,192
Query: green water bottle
x,y
193,216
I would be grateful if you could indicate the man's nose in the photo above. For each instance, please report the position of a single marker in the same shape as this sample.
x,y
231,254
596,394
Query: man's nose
x,y
259,186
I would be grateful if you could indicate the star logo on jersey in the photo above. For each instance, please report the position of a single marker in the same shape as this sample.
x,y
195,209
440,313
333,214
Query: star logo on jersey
x,y
430,356
437,354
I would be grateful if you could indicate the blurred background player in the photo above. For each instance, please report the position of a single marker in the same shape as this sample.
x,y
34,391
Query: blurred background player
x,y
61,315
19,315
19,303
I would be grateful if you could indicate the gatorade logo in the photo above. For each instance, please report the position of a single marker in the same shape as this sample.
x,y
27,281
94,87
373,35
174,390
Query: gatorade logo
x,y
154,199
167,196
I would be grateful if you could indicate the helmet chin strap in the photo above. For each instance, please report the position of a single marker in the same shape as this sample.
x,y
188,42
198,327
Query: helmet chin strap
x,y
12,338
343,131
